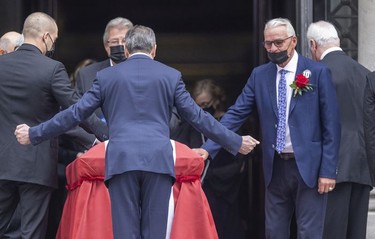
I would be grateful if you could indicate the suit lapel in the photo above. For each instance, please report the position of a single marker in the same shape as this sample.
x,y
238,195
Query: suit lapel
x,y
300,68
271,84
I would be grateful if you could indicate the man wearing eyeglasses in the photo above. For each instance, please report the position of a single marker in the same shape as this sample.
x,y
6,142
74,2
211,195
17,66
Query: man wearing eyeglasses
x,y
114,41
298,113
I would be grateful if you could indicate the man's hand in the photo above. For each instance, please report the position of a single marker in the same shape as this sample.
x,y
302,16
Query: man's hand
x,y
248,144
22,134
202,152
326,185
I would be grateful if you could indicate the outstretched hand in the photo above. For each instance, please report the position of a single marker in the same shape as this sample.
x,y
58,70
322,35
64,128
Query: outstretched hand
x,y
202,152
248,144
22,134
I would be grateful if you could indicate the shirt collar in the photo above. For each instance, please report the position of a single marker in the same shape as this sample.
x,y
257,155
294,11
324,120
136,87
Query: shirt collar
x,y
331,49
140,53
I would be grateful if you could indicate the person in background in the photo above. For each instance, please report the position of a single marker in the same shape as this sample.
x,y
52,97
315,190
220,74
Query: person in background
x,y
114,43
10,41
80,65
139,160
347,205
223,177
369,122
33,88
300,130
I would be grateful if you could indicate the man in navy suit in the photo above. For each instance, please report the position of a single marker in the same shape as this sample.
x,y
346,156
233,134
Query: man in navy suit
x,y
299,148
137,97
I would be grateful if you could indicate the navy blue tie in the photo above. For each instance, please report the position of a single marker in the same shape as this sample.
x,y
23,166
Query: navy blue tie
x,y
281,126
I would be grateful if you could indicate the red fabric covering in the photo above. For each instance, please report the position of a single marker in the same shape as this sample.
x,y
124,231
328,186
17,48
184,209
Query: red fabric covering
x,y
192,218
87,212
87,209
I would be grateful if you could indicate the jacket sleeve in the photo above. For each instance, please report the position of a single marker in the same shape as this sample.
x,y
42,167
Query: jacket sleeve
x,y
67,96
369,123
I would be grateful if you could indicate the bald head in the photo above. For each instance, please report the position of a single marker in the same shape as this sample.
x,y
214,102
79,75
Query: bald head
x,y
40,30
37,23
10,41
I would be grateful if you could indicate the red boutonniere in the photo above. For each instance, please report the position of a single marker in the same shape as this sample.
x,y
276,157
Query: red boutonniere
x,y
301,83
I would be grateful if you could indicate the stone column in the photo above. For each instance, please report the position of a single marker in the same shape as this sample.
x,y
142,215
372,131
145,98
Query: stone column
x,y
366,33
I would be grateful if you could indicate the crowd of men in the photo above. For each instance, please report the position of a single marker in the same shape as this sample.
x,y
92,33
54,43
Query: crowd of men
x,y
317,124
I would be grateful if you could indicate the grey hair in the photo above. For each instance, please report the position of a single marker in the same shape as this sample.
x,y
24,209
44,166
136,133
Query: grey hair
x,y
323,33
140,39
11,42
276,22
117,23
4,44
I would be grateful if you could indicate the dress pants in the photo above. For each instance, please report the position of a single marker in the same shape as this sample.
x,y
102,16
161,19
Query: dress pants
x,y
347,208
287,194
139,202
33,202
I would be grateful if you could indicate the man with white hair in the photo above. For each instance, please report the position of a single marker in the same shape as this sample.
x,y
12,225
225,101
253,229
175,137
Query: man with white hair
x,y
10,41
296,104
346,215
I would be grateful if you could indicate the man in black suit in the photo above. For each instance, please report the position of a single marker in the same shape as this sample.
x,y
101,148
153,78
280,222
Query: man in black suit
x,y
346,215
113,40
9,42
33,88
369,122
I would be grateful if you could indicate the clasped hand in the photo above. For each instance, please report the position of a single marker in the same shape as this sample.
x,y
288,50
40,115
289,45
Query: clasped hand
x,y
22,134
248,144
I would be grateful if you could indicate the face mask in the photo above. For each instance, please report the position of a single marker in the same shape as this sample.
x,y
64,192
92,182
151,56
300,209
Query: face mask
x,y
210,110
278,57
117,53
50,52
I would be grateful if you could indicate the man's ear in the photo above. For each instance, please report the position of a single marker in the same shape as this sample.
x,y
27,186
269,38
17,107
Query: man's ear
x,y
153,52
126,53
2,52
312,44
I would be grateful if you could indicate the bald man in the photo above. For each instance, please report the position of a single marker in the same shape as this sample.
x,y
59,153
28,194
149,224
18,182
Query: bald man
x,y
34,87
10,41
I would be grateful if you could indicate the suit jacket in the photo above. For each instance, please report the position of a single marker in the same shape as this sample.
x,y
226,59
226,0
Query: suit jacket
x,y
313,120
369,122
33,87
137,97
349,79
86,76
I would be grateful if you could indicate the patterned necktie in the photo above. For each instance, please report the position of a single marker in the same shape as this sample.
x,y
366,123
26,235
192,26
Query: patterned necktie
x,y
281,126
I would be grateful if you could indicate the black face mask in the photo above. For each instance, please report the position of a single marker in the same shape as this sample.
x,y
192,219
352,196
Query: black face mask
x,y
210,110
50,52
117,53
278,57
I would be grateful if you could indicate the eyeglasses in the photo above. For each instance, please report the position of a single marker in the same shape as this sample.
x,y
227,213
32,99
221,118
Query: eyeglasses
x,y
278,43
115,42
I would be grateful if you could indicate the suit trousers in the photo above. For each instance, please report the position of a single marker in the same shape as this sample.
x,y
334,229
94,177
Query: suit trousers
x,y
139,202
33,200
287,194
347,210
